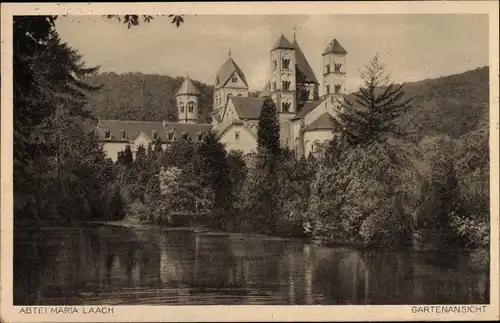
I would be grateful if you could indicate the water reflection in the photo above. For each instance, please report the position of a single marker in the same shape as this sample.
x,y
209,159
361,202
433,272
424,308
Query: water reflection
x,y
107,265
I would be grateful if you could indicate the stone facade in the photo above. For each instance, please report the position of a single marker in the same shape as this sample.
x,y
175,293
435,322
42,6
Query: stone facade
x,y
304,115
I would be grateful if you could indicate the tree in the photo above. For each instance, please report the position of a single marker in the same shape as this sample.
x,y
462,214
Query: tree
x,y
212,167
55,146
377,104
268,135
134,20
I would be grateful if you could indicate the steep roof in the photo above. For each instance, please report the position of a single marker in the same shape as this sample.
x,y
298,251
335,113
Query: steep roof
x,y
308,107
188,87
323,122
133,128
334,47
227,70
283,43
247,107
303,65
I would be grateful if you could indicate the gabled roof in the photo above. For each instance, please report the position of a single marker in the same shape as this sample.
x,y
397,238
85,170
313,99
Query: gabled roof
x,y
133,128
283,43
188,87
247,107
303,65
334,47
235,122
323,122
308,107
227,70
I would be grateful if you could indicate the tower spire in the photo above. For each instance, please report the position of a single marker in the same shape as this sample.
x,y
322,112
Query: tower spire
x,y
295,28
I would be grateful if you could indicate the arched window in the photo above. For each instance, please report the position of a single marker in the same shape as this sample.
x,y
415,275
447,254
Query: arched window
x,y
285,63
337,67
107,134
285,107
124,134
234,79
337,88
155,134
171,136
217,80
190,107
286,85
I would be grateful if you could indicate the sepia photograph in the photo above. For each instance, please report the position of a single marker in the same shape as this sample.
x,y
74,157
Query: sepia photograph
x,y
184,158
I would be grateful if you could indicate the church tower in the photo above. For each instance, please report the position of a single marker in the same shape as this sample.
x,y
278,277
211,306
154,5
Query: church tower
x,y
188,102
229,81
283,77
334,72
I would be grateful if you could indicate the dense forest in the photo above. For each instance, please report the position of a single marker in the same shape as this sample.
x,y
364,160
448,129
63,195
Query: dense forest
x,y
408,166
137,96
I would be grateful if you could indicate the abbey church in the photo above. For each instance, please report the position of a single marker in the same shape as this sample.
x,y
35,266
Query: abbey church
x,y
304,104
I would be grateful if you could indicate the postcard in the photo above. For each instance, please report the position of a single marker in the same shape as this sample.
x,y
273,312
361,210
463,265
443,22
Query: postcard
x,y
250,161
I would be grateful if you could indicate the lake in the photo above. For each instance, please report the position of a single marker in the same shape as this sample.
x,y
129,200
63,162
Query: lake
x,y
155,266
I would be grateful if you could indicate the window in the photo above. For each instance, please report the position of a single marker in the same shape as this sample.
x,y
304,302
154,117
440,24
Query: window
x,y
124,134
337,88
327,89
190,107
182,108
155,134
286,85
171,136
234,79
337,67
200,136
217,80
327,68
185,136
285,63
285,107
237,135
107,134
274,86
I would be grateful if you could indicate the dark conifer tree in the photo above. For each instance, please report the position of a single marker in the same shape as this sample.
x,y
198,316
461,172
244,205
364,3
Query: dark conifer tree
x,y
377,104
268,135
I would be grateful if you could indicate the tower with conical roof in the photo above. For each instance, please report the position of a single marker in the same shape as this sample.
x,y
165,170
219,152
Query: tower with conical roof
x,y
187,101
283,77
334,71
229,81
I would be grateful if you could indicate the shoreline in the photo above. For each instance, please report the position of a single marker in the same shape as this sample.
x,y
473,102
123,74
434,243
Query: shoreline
x,y
207,232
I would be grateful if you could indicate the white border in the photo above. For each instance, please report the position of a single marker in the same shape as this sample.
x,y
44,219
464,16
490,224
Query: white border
x,y
241,313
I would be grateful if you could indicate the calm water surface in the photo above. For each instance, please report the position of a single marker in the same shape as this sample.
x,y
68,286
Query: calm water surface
x,y
116,265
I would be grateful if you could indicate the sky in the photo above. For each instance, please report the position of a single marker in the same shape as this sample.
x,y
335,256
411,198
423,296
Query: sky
x,y
413,47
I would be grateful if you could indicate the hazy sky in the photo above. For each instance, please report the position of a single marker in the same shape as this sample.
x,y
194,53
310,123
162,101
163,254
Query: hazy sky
x,y
413,47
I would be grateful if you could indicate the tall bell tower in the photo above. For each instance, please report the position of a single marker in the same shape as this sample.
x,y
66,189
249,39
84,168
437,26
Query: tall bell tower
x,y
283,77
334,72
